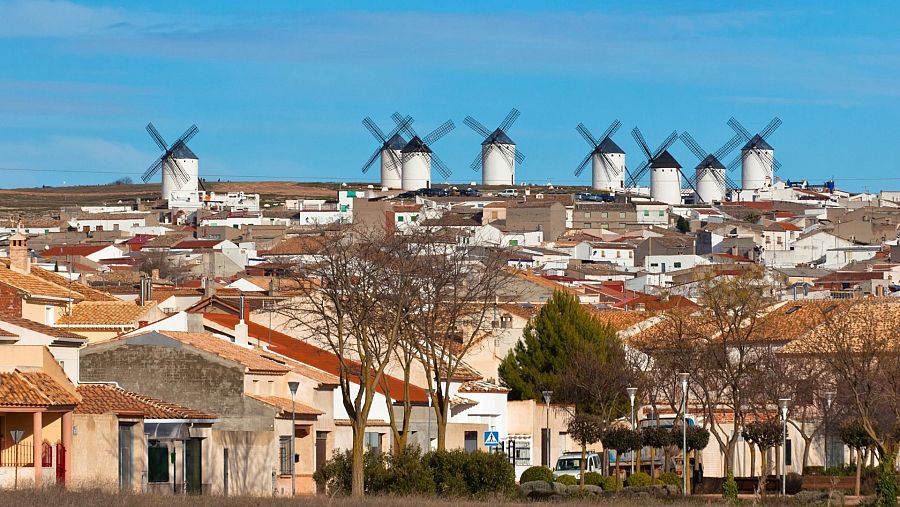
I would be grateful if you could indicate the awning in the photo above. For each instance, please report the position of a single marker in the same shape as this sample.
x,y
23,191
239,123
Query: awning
x,y
166,431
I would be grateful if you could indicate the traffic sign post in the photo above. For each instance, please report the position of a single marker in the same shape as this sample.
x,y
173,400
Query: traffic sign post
x,y
491,438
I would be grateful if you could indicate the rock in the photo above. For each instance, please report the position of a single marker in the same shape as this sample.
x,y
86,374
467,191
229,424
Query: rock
x,y
536,489
594,490
821,498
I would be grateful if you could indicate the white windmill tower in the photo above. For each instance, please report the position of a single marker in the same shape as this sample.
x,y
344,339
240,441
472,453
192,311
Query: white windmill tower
x,y
180,167
417,157
665,171
757,160
498,156
388,151
607,159
710,181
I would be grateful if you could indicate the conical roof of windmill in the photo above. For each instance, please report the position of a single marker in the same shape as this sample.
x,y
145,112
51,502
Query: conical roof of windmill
x,y
607,145
665,159
757,142
710,161
396,142
416,145
498,137
181,151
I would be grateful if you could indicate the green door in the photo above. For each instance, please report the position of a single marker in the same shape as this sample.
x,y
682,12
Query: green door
x,y
126,456
193,470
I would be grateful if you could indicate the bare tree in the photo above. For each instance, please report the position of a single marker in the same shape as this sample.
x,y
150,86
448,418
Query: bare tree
x,y
355,302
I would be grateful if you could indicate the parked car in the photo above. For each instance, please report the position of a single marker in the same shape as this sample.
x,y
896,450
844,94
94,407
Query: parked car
x,y
407,195
434,192
470,192
570,464
509,192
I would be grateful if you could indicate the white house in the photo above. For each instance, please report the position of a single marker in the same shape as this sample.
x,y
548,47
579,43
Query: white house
x,y
809,248
620,254
652,213
666,263
90,222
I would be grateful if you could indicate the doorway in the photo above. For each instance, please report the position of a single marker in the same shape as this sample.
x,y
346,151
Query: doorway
x,y
193,469
126,456
321,455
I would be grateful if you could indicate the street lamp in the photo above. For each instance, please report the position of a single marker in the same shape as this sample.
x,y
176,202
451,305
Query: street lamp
x,y
293,385
428,437
683,378
829,399
631,392
783,403
547,395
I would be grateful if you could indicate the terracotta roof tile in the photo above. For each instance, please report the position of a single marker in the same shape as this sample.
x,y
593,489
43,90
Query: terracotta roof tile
x,y
250,358
109,398
38,327
72,250
482,386
284,404
853,325
97,313
34,286
300,245
86,293
33,389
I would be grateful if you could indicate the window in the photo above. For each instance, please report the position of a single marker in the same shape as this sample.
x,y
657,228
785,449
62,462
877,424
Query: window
x,y
399,218
604,215
587,214
587,225
414,218
471,441
521,452
49,315
621,214
513,242
662,213
604,226
618,254
284,454
677,265
646,213
788,451
157,462
372,441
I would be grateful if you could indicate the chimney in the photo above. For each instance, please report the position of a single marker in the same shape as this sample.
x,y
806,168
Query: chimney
x,y
209,287
154,274
18,253
241,332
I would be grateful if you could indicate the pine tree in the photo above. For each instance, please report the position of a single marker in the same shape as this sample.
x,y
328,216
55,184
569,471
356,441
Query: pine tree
x,y
562,328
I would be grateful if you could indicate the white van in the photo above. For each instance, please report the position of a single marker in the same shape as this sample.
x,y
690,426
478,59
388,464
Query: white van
x,y
570,464
509,192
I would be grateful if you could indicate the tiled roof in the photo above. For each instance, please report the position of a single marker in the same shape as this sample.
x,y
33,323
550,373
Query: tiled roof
x,y
37,327
482,386
252,359
300,245
620,319
86,293
190,244
97,313
72,250
109,398
34,286
33,389
284,404
851,326
309,354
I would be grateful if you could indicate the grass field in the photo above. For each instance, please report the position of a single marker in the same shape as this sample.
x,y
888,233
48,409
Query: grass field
x,y
57,497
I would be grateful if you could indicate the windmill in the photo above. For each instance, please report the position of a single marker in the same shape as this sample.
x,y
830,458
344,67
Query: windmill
x,y
388,151
607,159
179,165
665,171
417,156
710,179
498,156
757,158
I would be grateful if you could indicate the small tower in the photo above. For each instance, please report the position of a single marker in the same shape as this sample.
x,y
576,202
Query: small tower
x,y
18,253
180,159
498,156
665,179
608,166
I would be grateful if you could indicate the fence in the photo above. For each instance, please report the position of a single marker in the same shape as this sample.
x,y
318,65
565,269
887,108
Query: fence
x,y
13,455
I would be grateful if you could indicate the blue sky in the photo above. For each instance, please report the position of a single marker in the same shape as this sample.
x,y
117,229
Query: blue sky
x,y
278,89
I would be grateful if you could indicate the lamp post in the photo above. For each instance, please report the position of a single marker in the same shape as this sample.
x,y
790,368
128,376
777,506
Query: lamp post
x,y
829,399
293,385
683,378
428,436
631,392
547,395
783,403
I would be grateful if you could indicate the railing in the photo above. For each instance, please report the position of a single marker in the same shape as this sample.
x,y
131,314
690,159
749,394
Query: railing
x,y
13,455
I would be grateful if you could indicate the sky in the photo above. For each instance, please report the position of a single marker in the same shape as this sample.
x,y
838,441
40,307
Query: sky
x,y
279,89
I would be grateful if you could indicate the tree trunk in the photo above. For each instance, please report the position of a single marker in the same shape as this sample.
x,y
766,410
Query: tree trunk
x,y
357,462
807,444
858,470
617,470
665,466
637,459
653,463
752,460
581,465
764,470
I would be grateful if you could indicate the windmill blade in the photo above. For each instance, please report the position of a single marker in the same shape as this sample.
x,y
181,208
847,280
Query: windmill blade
x,y
636,134
153,169
369,163
438,133
509,120
611,130
520,157
586,134
776,165
399,120
692,145
727,147
441,166
187,136
156,137
639,173
478,162
477,127
608,165
774,124
374,130
730,182
666,144
735,162
737,127
179,172
402,124
394,162
689,182
508,155
583,164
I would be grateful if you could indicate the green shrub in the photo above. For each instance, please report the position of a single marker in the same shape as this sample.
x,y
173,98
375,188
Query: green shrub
x,y
608,483
447,469
407,474
489,474
886,485
793,483
593,479
568,480
730,488
671,479
536,473
336,475
638,480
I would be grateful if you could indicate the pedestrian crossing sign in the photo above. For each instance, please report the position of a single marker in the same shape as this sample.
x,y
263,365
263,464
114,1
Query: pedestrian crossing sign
x,y
491,438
